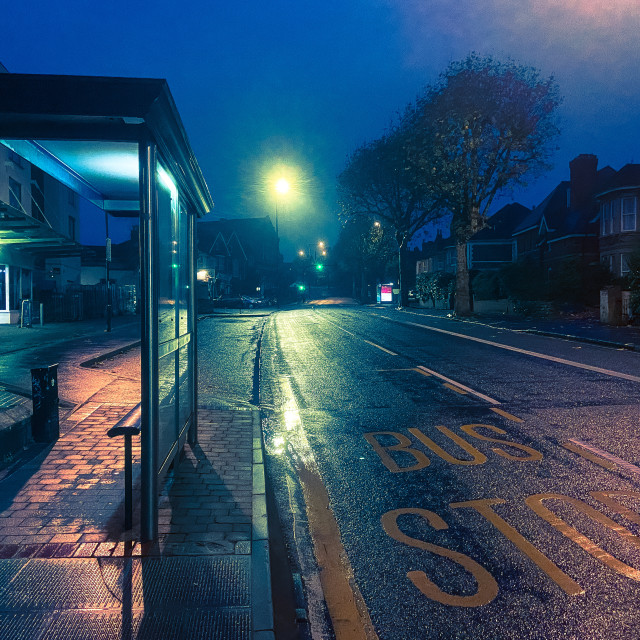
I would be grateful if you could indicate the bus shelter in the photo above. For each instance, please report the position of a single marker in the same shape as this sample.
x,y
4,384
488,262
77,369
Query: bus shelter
x,y
120,144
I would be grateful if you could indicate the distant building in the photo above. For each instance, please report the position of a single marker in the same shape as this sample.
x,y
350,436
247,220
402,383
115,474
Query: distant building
x,y
437,255
238,257
565,224
494,245
618,217
592,217
39,230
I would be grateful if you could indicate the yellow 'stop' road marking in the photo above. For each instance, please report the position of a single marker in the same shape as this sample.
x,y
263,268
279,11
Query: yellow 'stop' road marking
x,y
535,354
459,385
589,456
627,466
454,388
506,415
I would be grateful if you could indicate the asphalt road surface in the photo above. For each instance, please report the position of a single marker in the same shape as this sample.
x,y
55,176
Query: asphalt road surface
x,y
456,480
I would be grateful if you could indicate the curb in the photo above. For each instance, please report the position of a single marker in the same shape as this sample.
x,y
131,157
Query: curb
x,y
225,314
110,354
261,595
629,346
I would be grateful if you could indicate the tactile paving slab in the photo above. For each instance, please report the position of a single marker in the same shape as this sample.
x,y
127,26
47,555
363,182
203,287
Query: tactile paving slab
x,y
57,584
192,582
91,583
22,626
156,625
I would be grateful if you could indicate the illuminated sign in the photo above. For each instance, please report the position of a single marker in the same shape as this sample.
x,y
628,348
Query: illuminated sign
x,y
386,293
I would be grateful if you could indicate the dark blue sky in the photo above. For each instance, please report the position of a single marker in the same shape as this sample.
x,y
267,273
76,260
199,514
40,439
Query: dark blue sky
x,y
300,84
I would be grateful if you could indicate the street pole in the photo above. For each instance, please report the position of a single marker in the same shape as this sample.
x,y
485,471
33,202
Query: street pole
x,y
107,264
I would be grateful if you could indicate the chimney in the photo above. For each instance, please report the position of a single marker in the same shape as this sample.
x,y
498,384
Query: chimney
x,y
583,171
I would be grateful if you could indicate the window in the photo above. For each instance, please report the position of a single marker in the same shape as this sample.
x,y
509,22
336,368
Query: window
x,y
607,261
15,194
72,226
606,214
629,214
71,197
624,266
3,287
15,158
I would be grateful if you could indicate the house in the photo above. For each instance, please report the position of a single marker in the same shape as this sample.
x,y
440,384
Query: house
x,y
238,256
39,230
437,255
618,217
564,225
494,245
124,275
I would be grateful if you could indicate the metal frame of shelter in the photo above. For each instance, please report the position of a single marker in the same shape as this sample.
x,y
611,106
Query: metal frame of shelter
x,y
120,144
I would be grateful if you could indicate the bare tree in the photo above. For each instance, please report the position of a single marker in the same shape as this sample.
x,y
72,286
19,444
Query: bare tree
x,y
480,129
379,182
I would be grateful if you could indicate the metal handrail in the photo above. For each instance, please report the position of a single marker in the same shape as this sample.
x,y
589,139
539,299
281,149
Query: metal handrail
x,y
128,426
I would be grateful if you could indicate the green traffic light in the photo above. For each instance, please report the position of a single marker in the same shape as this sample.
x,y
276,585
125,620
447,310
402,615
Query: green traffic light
x,y
319,266
301,287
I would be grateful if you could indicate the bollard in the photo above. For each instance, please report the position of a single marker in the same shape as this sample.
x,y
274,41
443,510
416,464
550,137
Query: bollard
x,y
45,423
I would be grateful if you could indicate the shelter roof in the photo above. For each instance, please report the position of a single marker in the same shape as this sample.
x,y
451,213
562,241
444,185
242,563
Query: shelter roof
x,y
85,130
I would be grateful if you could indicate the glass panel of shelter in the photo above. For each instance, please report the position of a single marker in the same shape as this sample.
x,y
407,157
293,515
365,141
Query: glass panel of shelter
x,y
175,364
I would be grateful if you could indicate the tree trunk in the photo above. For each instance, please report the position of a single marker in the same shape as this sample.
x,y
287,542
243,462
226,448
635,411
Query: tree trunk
x,y
464,303
363,286
402,296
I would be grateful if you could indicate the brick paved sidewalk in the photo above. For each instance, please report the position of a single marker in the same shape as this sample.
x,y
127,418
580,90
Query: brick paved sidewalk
x,y
67,569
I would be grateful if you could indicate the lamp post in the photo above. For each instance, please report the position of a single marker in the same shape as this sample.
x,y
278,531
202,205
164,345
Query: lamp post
x,y
282,188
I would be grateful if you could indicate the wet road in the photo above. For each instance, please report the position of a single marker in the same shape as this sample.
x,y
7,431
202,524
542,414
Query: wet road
x,y
483,483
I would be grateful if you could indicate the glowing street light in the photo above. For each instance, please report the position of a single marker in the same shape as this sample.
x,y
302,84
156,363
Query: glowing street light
x,y
283,186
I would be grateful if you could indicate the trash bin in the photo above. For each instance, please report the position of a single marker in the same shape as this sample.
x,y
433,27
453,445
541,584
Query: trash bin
x,y
45,424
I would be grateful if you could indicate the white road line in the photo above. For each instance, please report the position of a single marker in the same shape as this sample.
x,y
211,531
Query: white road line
x,y
458,384
342,329
373,344
535,354
627,466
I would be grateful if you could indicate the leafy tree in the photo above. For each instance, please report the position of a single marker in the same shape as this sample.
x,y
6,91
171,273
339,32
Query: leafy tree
x,y
362,252
380,182
477,131
633,261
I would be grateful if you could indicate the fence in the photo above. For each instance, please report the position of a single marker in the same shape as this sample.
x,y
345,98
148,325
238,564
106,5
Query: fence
x,y
86,302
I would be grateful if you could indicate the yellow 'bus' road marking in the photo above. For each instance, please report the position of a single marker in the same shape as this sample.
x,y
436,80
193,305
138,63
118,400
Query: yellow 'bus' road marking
x,y
535,354
460,386
627,466
506,415
373,344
